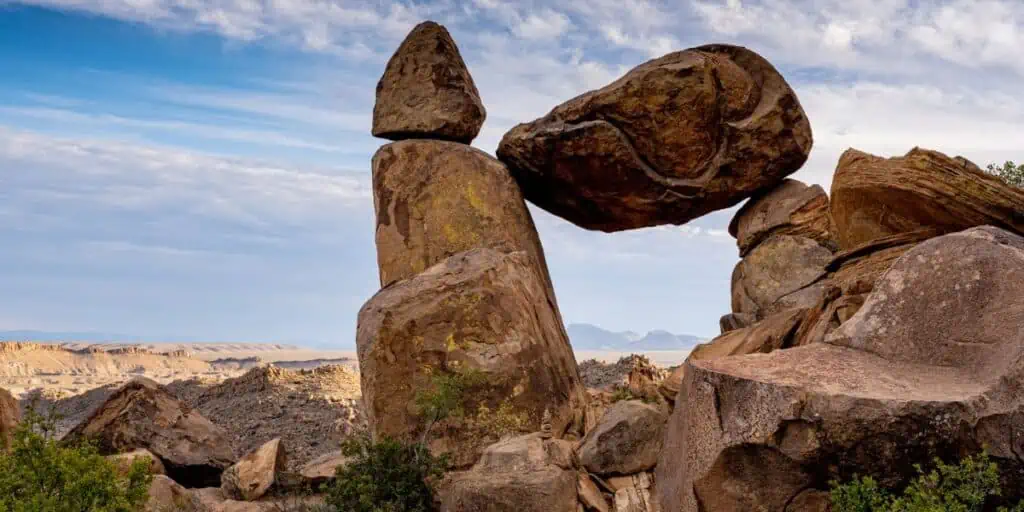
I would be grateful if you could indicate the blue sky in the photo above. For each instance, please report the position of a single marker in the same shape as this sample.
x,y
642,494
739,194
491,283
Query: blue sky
x,y
199,168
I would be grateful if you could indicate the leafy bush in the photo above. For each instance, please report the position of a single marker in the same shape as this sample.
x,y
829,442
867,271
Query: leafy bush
x,y
501,421
1009,172
40,475
947,488
385,476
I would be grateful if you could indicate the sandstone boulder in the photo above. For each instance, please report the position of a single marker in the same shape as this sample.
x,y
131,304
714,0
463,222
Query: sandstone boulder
x,y
142,414
627,439
426,91
480,313
792,208
675,138
514,475
772,333
733,321
10,415
930,366
323,468
124,461
435,199
874,197
166,495
779,274
251,478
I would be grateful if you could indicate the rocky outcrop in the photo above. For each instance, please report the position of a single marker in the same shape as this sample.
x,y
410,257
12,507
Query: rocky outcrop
x,y
250,478
481,313
124,461
775,332
675,138
874,197
435,199
626,440
142,414
792,208
930,366
520,474
426,91
10,415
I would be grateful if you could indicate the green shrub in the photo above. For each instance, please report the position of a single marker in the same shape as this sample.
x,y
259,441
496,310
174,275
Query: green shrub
x,y
385,476
1009,172
947,488
40,475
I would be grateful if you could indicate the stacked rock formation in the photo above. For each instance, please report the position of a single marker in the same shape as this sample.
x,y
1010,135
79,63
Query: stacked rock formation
x,y
465,287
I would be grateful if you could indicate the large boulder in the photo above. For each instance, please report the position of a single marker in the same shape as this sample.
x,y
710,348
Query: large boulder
x,y
426,91
250,478
142,414
779,273
626,440
518,474
675,138
792,208
931,366
10,415
435,199
166,495
874,197
480,313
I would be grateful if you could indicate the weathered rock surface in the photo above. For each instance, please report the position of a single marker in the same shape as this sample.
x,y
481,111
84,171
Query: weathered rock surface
x,y
636,495
626,440
675,138
322,469
733,321
427,92
10,415
124,461
514,475
250,478
166,495
479,312
931,365
772,333
778,274
435,199
590,496
792,208
874,197
142,414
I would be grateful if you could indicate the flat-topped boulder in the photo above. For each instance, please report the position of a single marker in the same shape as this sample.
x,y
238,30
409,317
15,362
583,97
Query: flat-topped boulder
x,y
875,197
677,137
426,91
482,317
142,414
930,366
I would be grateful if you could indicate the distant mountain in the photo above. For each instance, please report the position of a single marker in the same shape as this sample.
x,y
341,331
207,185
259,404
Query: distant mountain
x,y
592,337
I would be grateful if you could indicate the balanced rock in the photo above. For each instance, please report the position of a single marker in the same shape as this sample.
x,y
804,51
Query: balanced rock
x,y
10,415
791,208
250,478
930,366
627,439
675,138
780,273
124,461
435,199
142,414
517,474
874,197
479,313
426,91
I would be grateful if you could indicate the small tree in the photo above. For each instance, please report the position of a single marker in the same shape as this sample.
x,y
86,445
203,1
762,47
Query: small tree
x,y
40,475
1009,172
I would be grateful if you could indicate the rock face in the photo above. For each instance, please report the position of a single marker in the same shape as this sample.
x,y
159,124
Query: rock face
x,y
427,92
481,312
626,440
10,415
931,365
874,197
778,274
518,474
775,332
250,478
435,199
675,138
792,208
144,415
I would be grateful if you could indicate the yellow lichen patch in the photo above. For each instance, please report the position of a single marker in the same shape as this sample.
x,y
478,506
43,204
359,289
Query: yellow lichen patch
x,y
474,200
449,342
